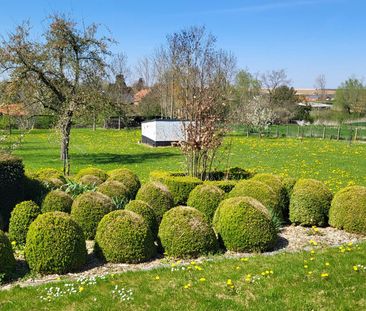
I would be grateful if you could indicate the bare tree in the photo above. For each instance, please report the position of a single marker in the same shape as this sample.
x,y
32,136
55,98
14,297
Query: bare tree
x,y
197,79
271,80
320,86
58,71
144,69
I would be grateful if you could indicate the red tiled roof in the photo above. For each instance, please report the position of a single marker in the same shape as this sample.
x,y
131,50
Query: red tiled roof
x,y
140,95
13,110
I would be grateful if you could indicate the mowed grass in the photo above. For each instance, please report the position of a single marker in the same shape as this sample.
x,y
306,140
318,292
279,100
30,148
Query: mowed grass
x,y
330,279
338,163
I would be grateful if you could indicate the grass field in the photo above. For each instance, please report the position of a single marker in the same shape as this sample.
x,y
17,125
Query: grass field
x,y
331,279
338,163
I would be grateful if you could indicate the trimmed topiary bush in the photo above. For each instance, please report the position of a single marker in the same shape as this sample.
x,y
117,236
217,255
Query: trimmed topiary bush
x,y
147,213
57,200
115,190
92,171
49,173
261,192
157,196
244,224
11,185
310,203
7,260
288,184
34,190
348,210
128,178
55,244
179,186
21,217
90,180
184,232
206,198
225,185
124,236
88,210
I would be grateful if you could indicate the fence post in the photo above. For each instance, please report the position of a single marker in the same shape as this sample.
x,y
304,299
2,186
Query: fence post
x,y
277,134
324,128
298,131
311,131
247,130
356,133
339,133
287,131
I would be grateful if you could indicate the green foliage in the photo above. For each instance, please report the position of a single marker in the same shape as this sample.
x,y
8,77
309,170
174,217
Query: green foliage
x,y
124,236
88,209
288,183
275,182
127,178
351,96
7,260
157,196
225,185
92,171
115,190
184,232
147,213
11,184
179,186
55,244
44,121
22,216
49,174
244,224
206,198
57,200
310,203
303,113
90,180
233,173
74,188
259,191
348,210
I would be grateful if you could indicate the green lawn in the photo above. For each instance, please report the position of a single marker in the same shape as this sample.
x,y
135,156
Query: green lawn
x,y
336,162
330,279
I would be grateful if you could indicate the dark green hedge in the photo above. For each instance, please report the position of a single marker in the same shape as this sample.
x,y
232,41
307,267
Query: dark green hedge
x,y
11,185
7,260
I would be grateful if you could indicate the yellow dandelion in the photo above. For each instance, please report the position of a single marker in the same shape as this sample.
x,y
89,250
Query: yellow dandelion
x,y
202,280
237,268
306,266
245,259
13,243
187,285
327,264
355,268
157,277
81,289
193,263
324,275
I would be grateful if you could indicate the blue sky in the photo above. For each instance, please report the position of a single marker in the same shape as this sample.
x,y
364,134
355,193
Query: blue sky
x,y
305,37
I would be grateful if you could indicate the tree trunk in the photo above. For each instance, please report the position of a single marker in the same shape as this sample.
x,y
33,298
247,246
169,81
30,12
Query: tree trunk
x,y
65,132
94,121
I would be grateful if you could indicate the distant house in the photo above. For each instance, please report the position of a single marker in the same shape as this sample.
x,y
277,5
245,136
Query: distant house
x,y
314,95
15,110
316,105
138,97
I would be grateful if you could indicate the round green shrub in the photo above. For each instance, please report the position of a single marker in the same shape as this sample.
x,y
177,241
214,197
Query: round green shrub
x,y
115,190
184,232
48,173
288,184
57,200
124,236
90,180
92,171
7,260
88,209
310,203
225,185
179,186
128,178
157,196
34,190
147,213
21,217
55,244
244,224
206,198
348,210
261,192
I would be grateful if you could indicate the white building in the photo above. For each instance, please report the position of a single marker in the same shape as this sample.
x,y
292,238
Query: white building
x,y
163,132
